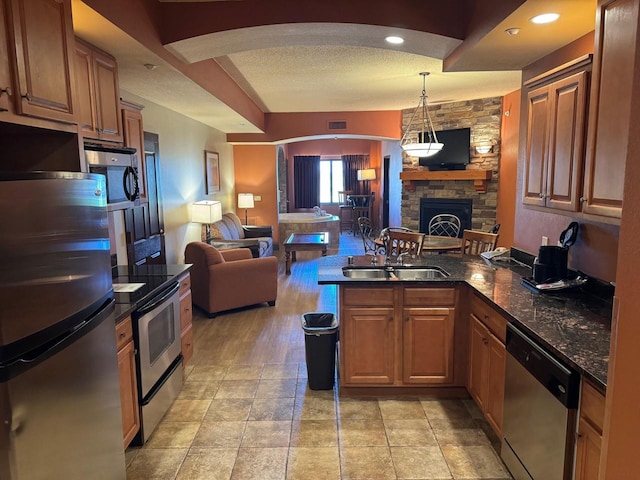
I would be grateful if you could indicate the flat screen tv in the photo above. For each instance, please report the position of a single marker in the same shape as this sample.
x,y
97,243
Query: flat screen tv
x,y
455,153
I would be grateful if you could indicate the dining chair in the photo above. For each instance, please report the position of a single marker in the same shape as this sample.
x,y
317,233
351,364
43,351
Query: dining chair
x,y
474,242
367,233
404,242
384,236
444,225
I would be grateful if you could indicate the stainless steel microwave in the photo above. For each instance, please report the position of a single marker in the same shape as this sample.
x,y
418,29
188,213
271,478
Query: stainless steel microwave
x,y
120,169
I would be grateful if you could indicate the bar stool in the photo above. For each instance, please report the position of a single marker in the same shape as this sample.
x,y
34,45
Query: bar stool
x,y
345,211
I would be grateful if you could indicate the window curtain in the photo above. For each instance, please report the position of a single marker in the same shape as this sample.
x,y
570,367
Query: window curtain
x,y
306,180
350,166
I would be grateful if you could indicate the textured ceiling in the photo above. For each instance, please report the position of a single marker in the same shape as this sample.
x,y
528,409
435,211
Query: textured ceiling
x,y
335,67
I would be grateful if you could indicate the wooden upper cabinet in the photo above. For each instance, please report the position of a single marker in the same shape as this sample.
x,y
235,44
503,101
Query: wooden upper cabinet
x,y
610,108
555,143
97,93
41,32
134,138
5,73
537,143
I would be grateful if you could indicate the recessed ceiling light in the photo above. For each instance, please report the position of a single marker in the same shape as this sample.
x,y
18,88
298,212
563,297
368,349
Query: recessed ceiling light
x,y
545,18
512,31
394,39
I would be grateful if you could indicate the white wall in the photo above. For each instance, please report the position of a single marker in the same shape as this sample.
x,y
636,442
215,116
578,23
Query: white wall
x,y
182,145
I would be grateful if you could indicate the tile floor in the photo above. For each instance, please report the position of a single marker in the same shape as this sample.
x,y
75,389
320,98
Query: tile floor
x,y
262,422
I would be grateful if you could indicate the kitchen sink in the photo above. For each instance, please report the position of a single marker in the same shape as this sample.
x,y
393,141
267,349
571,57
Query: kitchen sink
x,y
366,272
419,273
401,273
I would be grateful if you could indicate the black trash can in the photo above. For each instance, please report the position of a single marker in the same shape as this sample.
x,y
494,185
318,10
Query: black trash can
x,y
320,337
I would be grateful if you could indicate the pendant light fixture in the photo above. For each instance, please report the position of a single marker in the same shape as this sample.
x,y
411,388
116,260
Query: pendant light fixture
x,y
427,144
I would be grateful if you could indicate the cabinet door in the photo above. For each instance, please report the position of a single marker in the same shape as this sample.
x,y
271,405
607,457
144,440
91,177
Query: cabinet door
x,y
368,346
497,356
105,74
5,73
610,109
566,142
85,93
536,146
428,345
128,393
587,452
186,338
478,363
43,41
134,137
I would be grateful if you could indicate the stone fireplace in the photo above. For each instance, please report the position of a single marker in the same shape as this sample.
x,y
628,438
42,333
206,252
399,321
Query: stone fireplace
x,y
460,207
483,117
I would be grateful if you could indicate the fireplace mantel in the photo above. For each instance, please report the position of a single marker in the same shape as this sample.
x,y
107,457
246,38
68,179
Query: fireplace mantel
x,y
479,177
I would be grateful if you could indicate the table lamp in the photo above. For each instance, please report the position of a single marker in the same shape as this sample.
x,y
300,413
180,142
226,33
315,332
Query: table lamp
x,y
245,200
366,175
206,212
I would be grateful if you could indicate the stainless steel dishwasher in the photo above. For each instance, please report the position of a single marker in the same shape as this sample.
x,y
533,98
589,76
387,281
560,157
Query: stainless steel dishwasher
x,y
540,402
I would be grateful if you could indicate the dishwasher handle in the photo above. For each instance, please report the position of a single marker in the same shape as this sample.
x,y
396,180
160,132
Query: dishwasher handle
x,y
558,378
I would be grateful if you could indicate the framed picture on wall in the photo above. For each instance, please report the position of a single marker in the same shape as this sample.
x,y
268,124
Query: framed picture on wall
x,y
212,171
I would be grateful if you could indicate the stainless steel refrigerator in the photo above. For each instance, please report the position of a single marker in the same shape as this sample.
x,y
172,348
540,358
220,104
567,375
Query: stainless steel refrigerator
x,y
60,412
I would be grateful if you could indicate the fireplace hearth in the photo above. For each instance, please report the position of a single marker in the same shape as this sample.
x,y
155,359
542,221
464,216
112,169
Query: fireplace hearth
x,y
460,207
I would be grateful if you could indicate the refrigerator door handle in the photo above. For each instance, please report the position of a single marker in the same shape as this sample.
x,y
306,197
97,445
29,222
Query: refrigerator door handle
x,y
30,359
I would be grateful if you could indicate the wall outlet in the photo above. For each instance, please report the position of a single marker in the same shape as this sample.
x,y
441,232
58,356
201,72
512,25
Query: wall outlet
x,y
257,198
545,240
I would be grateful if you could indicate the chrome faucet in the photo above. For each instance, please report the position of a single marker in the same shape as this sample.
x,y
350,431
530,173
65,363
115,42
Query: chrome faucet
x,y
400,259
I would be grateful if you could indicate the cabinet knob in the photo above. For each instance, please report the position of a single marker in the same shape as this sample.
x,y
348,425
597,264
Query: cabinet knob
x,y
583,199
123,334
485,340
27,96
6,90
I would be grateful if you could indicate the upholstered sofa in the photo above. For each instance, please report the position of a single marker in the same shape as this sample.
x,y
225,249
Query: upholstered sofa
x,y
227,279
230,233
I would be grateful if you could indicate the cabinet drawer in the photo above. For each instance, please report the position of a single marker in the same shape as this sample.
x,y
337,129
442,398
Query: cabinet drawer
x,y
185,311
185,284
428,297
369,297
592,406
187,345
124,333
492,319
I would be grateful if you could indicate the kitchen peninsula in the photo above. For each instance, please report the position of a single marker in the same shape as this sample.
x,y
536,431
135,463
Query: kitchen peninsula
x,y
572,325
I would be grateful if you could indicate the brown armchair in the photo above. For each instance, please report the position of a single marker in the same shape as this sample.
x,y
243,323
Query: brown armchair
x,y
226,279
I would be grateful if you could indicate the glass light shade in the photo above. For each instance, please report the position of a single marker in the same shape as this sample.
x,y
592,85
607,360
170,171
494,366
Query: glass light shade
x,y
206,211
245,200
367,174
482,149
422,149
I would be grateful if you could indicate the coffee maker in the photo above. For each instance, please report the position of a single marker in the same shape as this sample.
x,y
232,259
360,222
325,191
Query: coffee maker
x,y
551,264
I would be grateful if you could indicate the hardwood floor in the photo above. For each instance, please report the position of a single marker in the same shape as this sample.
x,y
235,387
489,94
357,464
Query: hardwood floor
x,y
246,412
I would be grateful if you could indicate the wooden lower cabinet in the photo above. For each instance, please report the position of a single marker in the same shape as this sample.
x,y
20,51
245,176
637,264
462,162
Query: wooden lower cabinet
x,y
368,340
186,315
487,360
396,336
128,383
589,442
427,345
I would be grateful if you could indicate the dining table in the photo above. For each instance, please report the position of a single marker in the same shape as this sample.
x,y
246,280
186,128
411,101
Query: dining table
x,y
433,243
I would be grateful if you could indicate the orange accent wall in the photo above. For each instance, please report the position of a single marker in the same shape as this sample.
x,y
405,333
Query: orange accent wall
x,y
285,126
255,168
509,136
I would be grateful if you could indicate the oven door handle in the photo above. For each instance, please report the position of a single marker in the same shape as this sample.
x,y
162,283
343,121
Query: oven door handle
x,y
158,300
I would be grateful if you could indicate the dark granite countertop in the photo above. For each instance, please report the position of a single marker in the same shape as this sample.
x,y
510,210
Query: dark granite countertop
x,y
155,278
575,324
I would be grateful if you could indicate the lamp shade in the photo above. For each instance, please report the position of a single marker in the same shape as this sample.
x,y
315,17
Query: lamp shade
x,y
245,200
206,211
367,174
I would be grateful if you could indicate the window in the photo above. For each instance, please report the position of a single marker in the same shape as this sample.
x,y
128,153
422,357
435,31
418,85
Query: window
x,y
331,180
